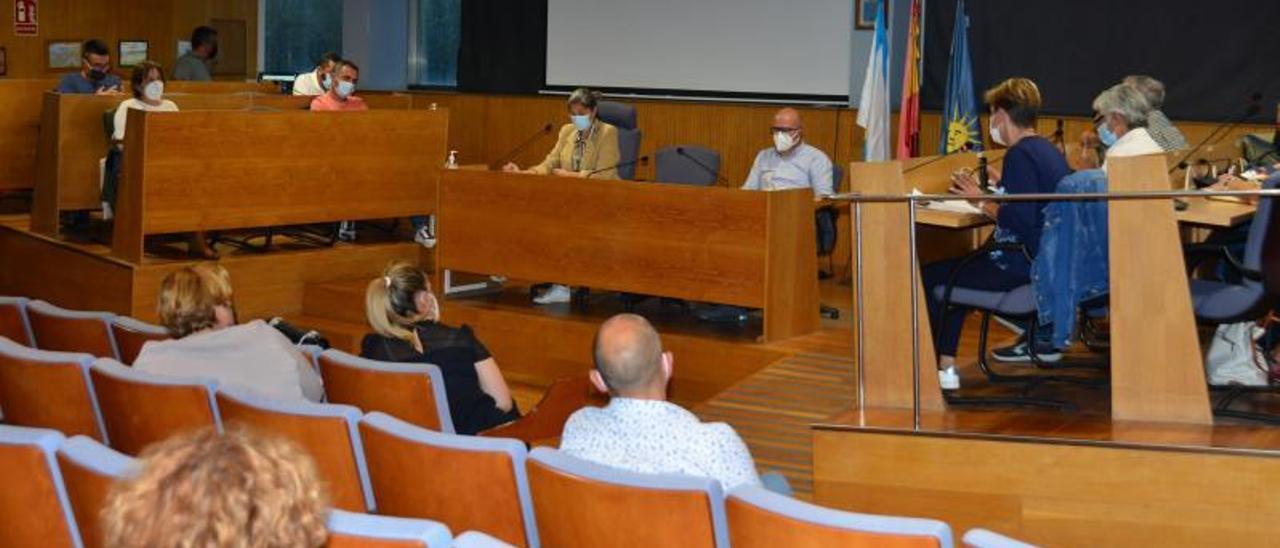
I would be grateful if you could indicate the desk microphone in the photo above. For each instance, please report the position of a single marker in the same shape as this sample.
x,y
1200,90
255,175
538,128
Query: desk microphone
x,y
1059,137
1253,108
983,177
714,173
502,160
640,160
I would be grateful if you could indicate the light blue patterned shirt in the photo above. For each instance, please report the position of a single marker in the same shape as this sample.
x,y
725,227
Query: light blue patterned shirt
x,y
803,166
658,437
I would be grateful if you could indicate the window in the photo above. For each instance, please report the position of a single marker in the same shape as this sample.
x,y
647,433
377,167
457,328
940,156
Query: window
x,y
297,32
434,37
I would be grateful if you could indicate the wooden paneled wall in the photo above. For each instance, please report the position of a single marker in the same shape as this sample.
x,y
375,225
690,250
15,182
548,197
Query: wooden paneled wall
x,y
162,23
485,127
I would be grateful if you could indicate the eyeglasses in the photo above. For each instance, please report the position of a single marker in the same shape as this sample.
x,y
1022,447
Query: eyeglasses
x,y
779,129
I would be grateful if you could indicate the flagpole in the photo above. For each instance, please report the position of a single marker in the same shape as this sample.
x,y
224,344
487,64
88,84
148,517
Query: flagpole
x,y
920,65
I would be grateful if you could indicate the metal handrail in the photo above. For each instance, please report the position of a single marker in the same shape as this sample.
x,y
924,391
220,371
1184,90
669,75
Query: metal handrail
x,y
857,199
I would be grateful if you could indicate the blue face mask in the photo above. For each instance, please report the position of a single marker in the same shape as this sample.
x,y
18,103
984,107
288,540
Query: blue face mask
x,y
345,88
1106,136
327,82
581,121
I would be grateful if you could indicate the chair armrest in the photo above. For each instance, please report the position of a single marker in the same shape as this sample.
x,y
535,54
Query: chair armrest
x,y
546,419
1196,254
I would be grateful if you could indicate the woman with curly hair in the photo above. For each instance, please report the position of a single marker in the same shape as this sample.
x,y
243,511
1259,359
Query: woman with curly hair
x,y
237,489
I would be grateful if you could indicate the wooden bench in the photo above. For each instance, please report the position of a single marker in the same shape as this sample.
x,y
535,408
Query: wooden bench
x,y
720,245
19,130
210,170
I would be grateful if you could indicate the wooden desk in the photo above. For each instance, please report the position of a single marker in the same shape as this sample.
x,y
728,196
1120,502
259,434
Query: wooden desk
x,y
721,245
19,131
951,219
208,170
1215,213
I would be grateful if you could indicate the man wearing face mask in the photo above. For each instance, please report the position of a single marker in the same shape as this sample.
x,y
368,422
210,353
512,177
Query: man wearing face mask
x,y
195,64
95,72
318,81
791,162
341,96
1031,165
1122,114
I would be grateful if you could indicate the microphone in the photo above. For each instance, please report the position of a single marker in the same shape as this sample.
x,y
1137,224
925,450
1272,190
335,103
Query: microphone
x,y
983,183
502,160
640,160
1251,109
680,151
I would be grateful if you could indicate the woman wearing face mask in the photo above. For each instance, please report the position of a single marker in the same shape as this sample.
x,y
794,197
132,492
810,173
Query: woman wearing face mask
x,y
1031,165
1121,115
405,317
586,144
147,85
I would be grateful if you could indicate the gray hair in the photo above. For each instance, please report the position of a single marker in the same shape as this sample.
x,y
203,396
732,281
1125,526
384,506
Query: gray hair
x,y
1125,101
1149,87
585,97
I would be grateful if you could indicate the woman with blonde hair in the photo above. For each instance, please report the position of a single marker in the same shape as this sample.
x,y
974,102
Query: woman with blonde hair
x,y
203,488
195,305
1032,165
405,317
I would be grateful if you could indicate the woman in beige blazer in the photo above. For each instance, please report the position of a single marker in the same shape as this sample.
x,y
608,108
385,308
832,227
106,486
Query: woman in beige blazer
x,y
586,144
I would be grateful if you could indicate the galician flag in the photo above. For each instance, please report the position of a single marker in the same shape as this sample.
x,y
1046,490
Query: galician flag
x,y
961,131
873,108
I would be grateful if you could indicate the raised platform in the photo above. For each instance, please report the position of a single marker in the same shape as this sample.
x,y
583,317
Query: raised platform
x,y
1055,478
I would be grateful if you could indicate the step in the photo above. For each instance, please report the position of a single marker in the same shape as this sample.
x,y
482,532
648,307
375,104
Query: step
x,y
341,301
344,336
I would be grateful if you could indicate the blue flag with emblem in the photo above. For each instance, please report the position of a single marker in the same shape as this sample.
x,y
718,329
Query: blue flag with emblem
x,y
961,130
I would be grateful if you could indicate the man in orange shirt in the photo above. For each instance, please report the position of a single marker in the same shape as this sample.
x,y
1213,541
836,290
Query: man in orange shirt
x,y
341,96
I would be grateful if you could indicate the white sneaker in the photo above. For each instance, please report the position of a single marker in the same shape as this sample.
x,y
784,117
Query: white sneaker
x,y
556,294
107,212
948,379
498,279
425,237
347,231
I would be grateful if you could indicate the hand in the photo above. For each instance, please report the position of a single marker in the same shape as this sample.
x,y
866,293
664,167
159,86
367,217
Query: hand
x,y
559,172
966,184
113,90
511,167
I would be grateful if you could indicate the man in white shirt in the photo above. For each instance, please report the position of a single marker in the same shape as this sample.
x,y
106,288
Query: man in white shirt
x,y
790,162
1122,122
318,81
640,430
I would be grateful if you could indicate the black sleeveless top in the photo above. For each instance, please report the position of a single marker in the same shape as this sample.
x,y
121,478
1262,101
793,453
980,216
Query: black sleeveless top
x,y
455,352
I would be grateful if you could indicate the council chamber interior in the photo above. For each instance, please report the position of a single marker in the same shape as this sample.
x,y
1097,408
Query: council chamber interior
x,y
939,273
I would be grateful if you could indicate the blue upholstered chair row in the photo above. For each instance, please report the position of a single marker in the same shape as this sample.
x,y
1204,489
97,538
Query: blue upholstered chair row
x,y
50,497
39,324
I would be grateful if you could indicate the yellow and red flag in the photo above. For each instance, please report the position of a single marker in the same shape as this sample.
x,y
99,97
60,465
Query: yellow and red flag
x,y
909,110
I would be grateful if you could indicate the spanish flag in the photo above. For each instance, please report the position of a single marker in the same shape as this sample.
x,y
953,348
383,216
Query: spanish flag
x,y
909,110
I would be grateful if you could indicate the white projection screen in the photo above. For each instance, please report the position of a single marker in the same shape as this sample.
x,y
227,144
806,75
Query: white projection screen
x,y
791,47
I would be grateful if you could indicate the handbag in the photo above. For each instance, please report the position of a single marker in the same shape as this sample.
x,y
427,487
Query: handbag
x,y
1234,358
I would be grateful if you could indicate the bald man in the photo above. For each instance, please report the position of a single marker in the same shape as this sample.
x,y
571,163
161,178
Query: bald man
x,y
790,162
640,430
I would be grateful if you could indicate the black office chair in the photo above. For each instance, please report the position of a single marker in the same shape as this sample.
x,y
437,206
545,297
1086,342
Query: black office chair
x,y
623,117
1217,302
825,229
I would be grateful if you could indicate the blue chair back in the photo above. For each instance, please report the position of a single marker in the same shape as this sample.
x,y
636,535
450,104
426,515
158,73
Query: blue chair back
x,y
475,482
982,538
759,517
687,164
44,389
56,328
574,499
1262,248
327,431
356,529
34,510
623,117
141,408
14,324
412,392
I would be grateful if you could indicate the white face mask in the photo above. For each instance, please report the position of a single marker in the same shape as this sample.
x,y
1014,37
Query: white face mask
x,y
783,141
153,91
996,137
345,88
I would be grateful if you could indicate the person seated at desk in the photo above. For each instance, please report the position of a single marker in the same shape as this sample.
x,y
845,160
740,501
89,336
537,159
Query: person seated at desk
x,y
1032,164
341,95
1159,126
790,162
94,75
318,81
147,85
195,305
588,148
640,430
405,317
1122,114
195,64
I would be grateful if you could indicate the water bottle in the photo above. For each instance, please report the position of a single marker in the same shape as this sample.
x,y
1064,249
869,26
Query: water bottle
x,y
452,162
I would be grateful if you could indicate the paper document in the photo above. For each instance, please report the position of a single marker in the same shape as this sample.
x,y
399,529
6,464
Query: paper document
x,y
953,206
